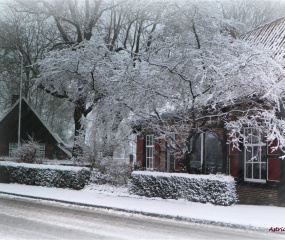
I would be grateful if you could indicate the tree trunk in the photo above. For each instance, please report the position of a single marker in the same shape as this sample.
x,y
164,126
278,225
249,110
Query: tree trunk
x,y
79,110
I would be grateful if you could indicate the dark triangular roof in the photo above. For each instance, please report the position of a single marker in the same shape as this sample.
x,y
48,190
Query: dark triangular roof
x,y
12,114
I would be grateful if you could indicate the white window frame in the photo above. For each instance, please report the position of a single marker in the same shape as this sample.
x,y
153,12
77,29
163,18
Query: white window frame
x,y
149,151
250,144
39,154
12,146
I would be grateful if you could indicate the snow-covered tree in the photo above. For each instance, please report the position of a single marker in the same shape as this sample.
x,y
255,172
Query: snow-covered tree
x,y
207,75
252,13
135,59
29,35
124,25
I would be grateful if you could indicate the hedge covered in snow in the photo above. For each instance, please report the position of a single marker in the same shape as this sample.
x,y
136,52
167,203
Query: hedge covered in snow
x,y
216,189
46,175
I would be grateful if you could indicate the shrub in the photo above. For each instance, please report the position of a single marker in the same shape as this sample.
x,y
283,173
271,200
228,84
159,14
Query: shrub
x,y
27,152
48,176
216,189
108,171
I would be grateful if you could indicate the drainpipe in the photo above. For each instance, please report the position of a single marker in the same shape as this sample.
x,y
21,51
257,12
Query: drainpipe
x,y
20,101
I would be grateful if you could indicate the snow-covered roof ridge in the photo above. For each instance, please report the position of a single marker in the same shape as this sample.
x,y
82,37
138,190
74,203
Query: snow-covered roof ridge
x,y
270,36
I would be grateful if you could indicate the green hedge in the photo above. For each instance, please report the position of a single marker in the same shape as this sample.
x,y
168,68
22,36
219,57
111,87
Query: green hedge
x,y
216,189
47,176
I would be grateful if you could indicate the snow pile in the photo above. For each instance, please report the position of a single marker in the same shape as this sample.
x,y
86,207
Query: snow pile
x,y
216,189
42,175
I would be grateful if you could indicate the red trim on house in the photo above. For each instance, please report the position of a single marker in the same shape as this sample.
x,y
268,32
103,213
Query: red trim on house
x,y
273,169
274,144
233,151
140,146
233,165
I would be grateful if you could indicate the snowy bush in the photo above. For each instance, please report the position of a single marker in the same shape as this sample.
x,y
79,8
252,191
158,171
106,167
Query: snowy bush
x,y
216,189
27,152
108,171
98,177
47,176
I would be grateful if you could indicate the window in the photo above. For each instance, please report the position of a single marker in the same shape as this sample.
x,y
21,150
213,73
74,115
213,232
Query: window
x,y
171,161
149,151
39,154
254,156
12,147
213,153
207,151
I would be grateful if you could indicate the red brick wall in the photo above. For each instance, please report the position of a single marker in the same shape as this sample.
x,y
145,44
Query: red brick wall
x,y
261,195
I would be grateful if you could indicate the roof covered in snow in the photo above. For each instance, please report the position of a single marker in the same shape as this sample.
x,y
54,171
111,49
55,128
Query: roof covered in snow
x,y
270,36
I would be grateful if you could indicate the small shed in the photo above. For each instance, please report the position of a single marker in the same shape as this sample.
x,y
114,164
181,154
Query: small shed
x,y
51,145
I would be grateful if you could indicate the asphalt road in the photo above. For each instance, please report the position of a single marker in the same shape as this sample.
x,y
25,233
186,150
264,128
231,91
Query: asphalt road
x,y
22,218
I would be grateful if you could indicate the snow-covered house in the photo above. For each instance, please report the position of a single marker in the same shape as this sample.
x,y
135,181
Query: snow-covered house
x,y
51,145
259,171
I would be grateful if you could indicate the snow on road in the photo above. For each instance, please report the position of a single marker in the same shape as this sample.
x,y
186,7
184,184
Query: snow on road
x,y
245,216
22,218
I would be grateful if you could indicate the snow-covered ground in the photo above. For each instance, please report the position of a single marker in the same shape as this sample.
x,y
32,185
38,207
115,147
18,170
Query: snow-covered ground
x,y
243,216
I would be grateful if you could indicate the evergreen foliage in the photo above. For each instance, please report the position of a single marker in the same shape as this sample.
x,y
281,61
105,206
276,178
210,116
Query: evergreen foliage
x,y
47,177
215,189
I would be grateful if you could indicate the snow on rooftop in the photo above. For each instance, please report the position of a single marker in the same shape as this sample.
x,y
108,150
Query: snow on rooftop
x,y
270,36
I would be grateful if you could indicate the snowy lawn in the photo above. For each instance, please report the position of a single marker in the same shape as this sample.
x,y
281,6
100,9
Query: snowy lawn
x,y
246,216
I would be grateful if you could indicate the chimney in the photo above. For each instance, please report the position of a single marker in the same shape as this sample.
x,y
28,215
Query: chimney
x,y
14,99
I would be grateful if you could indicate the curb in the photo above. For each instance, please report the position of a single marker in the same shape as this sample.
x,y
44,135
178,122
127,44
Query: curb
x,y
179,218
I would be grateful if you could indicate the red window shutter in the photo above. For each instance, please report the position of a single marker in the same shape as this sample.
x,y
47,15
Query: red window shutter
x,y
177,164
269,148
273,169
233,151
233,160
233,165
140,144
156,153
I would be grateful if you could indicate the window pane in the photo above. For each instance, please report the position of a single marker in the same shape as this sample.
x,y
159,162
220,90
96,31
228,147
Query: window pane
x,y
149,151
255,136
213,153
256,170
256,154
263,154
195,161
247,135
248,154
149,140
248,170
150,163
263,171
